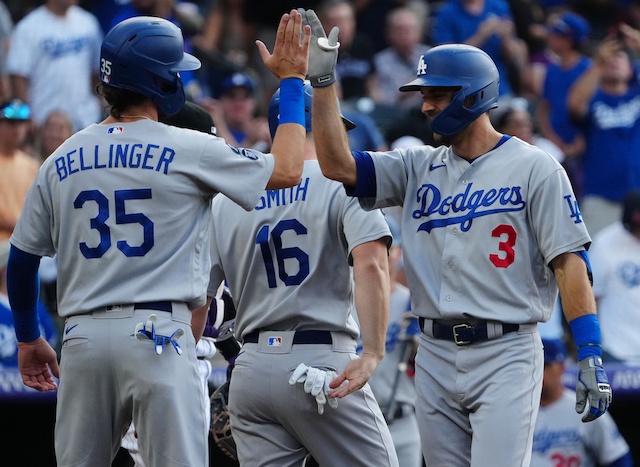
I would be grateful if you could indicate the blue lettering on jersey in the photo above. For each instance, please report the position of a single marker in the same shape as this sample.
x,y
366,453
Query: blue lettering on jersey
x,y
547,439
284,196
134,156
629,273
55,48
470,204
575,211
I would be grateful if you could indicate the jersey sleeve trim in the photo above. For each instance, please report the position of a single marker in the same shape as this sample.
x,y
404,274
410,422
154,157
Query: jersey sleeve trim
x,y
366,184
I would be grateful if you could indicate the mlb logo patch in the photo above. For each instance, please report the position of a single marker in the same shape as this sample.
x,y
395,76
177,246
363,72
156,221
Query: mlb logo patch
x,y
115,130
275,341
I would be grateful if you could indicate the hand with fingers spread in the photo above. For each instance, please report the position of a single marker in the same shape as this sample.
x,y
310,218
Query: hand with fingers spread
x,y
323,52
38,364
291,51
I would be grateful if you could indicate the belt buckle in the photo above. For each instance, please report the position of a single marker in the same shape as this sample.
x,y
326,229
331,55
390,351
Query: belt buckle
x,y
456,337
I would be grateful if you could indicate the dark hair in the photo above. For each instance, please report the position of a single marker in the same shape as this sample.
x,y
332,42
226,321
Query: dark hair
x,y
120,99
504,118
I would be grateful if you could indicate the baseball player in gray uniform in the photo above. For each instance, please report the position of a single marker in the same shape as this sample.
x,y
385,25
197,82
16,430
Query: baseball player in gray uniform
x,y
126,205
491,229
287,265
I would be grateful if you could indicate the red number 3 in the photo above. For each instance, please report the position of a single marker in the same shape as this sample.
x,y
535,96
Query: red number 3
x,y
506,246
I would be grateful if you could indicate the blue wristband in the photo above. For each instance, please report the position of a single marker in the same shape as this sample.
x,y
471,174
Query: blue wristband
x,y
586,335
292,101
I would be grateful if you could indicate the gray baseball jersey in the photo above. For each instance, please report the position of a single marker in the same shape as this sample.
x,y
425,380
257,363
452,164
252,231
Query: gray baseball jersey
x,y
561,438
498,222
478,238
300,235
287,267
127,209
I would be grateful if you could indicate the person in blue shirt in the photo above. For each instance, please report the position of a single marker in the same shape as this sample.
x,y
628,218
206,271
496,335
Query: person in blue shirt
x,y
488,25
605,100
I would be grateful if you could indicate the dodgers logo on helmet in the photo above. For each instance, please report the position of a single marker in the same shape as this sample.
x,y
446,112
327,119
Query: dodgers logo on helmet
x,y
467,68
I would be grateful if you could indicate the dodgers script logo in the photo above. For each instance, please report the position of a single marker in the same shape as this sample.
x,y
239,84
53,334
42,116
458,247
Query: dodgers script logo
x,y
464,207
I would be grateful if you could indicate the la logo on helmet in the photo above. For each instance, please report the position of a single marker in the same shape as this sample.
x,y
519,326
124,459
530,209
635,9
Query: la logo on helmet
x,y
422,66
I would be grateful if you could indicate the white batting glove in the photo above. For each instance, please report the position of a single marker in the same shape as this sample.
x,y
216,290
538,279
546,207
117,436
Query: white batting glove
x,y
316,382
299,374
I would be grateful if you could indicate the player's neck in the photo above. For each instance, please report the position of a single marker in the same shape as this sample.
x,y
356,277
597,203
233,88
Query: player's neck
x,y
479,140
134,113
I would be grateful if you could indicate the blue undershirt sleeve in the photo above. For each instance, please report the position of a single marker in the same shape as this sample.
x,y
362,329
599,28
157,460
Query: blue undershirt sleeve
x,y
366,185
23,286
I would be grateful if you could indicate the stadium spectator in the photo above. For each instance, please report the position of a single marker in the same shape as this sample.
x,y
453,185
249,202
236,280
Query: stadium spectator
x,y
396,64
488,25
615,257
567,37
53,62
17,168
56,129
356,67
236,113
516,120
604,100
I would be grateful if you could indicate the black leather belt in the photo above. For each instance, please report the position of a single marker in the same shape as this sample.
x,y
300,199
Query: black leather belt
x,y
300,337
464,333
158,306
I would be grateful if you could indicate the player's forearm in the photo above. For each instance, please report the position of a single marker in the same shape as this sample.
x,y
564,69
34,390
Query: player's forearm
x,y
330,136
371,275
582,91
288,142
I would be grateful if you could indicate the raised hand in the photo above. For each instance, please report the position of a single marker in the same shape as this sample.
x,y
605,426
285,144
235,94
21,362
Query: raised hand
x,y
291,51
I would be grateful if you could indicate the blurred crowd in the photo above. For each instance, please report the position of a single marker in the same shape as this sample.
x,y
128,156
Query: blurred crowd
x,y
569,84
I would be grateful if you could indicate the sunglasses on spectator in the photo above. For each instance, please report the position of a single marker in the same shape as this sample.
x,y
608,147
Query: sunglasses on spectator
x,y
16,111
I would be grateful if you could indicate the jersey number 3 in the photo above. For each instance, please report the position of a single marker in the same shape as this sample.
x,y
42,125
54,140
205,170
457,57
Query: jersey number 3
x,y
508,256
282,253
99,222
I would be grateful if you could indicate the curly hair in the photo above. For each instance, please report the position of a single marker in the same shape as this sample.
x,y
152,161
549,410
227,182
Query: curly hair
x,y
120,99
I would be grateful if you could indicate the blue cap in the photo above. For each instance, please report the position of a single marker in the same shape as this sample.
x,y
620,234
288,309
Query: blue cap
x,y
573,26
554,350
237,80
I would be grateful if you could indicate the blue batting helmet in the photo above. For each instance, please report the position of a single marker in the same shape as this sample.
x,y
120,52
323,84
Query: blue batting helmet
x,y
274,111
463,66
146,54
